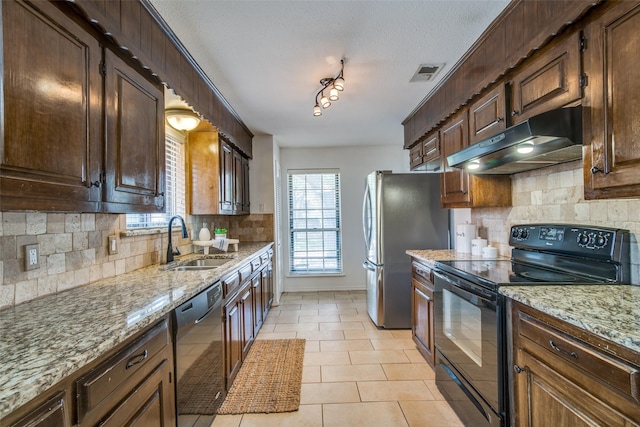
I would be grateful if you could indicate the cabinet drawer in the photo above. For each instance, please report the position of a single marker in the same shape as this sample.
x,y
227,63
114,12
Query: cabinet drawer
x,y
245,272
421,271
230,284
98,384
264,257
255,263
616,373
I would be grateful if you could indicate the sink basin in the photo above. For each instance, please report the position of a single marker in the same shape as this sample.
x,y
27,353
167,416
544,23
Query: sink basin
x,y
206,262
200,264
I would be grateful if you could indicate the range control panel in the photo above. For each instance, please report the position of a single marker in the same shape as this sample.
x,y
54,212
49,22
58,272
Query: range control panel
x,y
597,242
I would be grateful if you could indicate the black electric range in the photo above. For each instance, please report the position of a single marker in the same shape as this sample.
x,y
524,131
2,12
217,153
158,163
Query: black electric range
x,y
470,321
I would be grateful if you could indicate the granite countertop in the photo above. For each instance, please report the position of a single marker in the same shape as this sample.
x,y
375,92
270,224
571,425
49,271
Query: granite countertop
x,y
430,256
611,312
45,340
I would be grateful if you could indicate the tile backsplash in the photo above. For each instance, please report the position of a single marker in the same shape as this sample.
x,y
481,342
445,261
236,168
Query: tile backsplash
x,y
556,194
73,248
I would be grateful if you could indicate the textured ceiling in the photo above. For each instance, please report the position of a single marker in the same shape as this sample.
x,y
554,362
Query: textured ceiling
x,y
267,58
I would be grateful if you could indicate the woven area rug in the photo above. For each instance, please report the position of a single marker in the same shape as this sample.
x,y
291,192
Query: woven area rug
x,y
269,379
201,383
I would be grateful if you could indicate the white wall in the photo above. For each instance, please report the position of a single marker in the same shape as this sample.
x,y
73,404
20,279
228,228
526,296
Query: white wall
x,y
354,163
261,178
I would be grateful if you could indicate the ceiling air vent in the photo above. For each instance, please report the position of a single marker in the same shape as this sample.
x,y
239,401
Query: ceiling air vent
x,y
426,72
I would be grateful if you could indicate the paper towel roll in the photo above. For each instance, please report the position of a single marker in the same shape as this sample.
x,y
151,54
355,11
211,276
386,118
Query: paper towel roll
x,y
464,235
477,245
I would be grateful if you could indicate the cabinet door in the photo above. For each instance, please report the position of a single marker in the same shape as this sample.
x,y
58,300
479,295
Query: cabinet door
x,y
543,397
454,183
415,156
149,404
247,320
245,197
233,339
422,320
612,130
135,152
226,178
256,294
203,172
51,149
267,288
238,184
487,115
551,80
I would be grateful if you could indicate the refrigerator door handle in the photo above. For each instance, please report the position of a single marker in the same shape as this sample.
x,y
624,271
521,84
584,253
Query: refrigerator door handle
x,y
366,224
368,266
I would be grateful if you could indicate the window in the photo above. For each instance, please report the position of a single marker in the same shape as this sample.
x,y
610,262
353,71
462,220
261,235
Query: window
x,y
314,222
174,188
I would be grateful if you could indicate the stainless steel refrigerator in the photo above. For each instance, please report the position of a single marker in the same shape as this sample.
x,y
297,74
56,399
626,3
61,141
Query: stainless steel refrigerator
x,y
400,212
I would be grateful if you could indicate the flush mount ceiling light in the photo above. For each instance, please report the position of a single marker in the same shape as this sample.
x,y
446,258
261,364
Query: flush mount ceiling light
x,y
182,119
334,85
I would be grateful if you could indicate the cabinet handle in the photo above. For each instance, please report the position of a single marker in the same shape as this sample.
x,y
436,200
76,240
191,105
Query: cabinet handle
x,y
96,184
559,350
518,369
499,119
136,359
515,113
595,170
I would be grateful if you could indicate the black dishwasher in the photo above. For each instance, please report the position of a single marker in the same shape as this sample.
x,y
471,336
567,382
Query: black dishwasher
x,y
198,357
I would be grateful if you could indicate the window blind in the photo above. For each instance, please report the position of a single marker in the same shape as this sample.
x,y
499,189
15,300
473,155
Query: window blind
x,y
174,187
314,222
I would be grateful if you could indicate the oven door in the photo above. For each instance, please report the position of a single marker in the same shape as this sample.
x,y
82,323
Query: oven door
x,y
468,332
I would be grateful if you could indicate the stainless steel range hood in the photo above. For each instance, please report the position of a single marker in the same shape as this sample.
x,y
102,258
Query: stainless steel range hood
x,y
543,140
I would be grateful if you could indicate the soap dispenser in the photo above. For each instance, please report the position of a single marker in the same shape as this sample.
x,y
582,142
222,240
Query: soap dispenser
x,y
204,234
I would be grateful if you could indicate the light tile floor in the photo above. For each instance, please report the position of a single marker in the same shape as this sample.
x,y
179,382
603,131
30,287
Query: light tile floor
x,y
354,374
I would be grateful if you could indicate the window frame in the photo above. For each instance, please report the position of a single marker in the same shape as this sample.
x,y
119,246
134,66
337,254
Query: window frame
x,y
294,268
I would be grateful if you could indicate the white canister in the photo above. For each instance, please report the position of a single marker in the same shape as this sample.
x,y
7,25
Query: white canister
x,y
489,252
476,246
464,235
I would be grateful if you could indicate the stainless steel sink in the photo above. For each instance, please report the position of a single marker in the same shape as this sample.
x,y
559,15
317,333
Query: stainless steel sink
x,y
200,264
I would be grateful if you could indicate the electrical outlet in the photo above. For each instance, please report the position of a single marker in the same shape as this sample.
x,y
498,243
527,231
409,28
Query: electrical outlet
x,y
32,256
113,245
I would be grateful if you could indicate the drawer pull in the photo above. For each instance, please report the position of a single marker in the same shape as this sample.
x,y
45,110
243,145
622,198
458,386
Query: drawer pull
x,y
518,369
559,350
136,359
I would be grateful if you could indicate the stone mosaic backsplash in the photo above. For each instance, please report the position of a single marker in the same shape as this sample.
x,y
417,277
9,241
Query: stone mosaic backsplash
x,y
73,248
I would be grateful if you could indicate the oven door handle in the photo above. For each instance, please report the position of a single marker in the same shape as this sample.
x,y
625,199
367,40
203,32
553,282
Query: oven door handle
x,y
464,288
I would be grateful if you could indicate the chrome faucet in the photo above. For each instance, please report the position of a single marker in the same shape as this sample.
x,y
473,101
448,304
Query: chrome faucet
x,y
170,251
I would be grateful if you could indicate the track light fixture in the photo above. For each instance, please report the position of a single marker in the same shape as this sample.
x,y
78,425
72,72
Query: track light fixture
x,y
333,85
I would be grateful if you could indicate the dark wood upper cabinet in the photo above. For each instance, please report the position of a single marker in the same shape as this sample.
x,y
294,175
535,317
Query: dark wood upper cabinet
x,y
612,101
487,115
523,27
51,149
454,183
134,154
550,80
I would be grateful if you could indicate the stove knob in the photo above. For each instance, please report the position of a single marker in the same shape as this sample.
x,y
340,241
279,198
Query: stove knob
x,y
524,233
583,239
600,241
514,233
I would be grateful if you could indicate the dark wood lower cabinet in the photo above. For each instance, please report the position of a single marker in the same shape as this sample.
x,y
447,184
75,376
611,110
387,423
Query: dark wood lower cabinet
x,y
245,309
232,339
422,306
564,376
132,385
